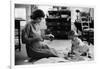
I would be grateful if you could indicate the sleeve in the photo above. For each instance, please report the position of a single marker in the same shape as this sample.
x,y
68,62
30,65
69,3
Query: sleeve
x,y
35,36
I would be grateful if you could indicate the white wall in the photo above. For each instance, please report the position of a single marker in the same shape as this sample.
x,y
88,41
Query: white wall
x,y
24,12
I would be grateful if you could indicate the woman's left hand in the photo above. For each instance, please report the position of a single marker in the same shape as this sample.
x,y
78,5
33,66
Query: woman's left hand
x,y
51,37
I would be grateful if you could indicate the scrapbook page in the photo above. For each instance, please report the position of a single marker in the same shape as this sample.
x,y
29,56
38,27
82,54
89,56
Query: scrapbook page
x,y
52,34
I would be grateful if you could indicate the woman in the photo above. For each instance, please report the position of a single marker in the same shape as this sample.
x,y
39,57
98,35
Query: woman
x,y
35,47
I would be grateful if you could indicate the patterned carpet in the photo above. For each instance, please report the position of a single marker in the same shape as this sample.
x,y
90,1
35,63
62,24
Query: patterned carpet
x,y
21,57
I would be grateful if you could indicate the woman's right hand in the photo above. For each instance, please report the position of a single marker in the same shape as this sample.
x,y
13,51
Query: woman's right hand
x,y
44,45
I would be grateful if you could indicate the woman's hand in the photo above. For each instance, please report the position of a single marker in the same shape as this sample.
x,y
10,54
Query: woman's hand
x,y
51,37
44,45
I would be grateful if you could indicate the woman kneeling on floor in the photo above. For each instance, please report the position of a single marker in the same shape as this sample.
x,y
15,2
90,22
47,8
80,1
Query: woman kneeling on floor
x,y
32,37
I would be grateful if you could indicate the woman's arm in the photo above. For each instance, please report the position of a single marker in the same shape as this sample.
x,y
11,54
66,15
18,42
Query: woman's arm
x,y
46,36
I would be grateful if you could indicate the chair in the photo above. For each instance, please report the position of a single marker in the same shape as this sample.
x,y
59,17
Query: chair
x,y
87,33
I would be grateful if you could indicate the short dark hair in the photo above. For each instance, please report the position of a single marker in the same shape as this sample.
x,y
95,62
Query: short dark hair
x,y
37,14
71,33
